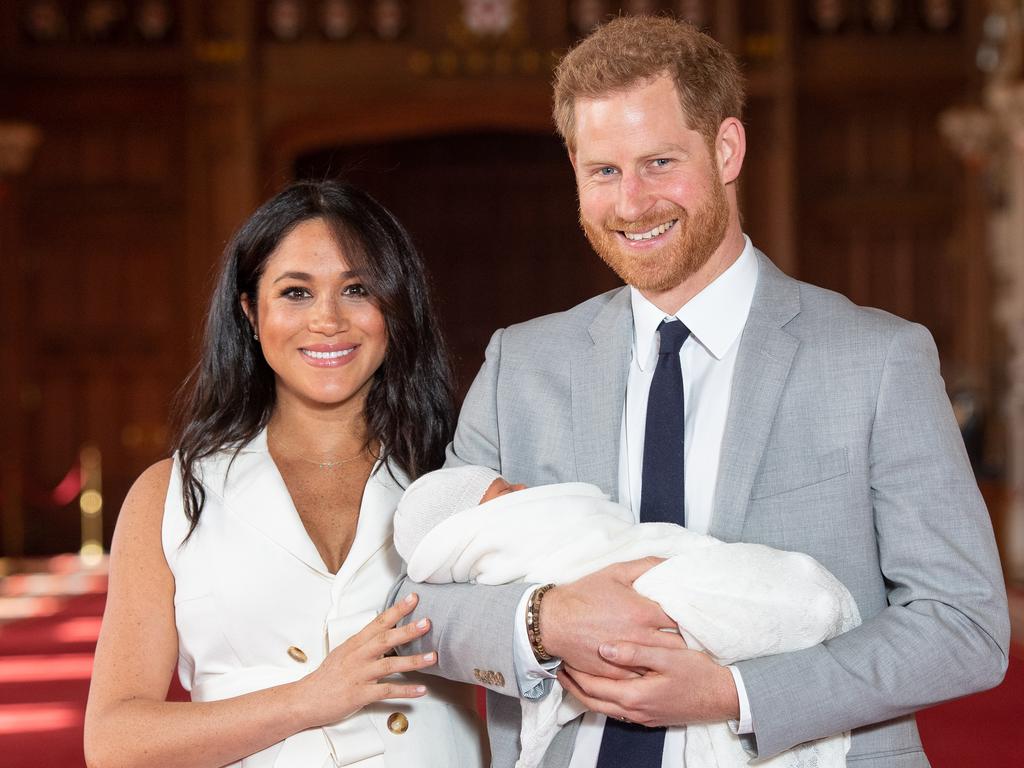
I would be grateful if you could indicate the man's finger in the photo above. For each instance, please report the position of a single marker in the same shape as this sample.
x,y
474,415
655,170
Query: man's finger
x,y
593,703
606,670
634,656
618,692
602,668
590,702
659,638
631,570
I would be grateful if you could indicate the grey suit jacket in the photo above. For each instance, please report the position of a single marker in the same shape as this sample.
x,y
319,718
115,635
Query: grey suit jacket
x,y
839,442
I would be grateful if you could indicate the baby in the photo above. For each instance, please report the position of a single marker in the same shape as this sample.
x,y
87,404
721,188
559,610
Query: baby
x,y
733,601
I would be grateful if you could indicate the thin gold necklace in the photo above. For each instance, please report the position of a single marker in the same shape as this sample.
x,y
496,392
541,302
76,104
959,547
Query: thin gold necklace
x,y
320,464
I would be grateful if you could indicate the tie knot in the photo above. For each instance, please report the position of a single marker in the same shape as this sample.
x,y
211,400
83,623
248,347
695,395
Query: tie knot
x,y
673,333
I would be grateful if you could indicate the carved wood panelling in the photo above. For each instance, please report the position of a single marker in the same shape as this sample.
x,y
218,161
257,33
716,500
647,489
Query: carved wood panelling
x,y
845,17
878,207
158,145
498,251
100,22
99,273
18,142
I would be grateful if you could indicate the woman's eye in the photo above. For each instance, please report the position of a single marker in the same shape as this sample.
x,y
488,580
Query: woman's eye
x,y
355,289
295,292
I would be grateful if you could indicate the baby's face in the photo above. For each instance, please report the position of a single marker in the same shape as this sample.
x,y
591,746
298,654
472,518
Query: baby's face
x,y
500,487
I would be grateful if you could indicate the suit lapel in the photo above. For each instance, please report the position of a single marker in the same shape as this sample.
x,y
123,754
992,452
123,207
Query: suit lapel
x,y
762,366
255,492
376,523
598,380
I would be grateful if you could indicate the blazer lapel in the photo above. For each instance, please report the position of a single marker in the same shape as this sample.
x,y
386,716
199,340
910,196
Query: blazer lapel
x,y
376,522
255,492
762,366
598,381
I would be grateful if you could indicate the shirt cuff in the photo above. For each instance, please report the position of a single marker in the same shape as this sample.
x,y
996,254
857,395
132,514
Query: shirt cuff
x,y
533,677
743,725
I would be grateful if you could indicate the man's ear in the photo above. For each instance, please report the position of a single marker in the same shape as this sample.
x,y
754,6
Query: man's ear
x,y
730,149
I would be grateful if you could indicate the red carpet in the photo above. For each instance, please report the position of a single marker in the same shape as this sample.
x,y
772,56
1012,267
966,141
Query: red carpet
x,y
45,665
981,731
45,662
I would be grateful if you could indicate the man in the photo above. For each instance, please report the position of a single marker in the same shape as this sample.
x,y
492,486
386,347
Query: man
x,y
718,393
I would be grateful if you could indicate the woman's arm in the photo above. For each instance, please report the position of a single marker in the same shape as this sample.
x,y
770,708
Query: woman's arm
x,y
129,723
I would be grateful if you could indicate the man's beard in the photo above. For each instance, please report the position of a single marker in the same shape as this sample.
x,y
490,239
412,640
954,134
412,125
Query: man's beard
x,y
699,236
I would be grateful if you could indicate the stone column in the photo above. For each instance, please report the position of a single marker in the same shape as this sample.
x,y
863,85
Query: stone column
x,y
990,141
223,148
1006,249
18,142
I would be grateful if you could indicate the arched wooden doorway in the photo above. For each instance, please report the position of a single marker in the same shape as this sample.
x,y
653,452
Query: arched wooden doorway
x,y
494,214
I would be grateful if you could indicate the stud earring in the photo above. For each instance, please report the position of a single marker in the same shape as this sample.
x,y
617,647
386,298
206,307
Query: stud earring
x,y
256,336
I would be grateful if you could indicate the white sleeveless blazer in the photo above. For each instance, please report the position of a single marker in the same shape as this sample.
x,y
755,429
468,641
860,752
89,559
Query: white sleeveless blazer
x,y
253,598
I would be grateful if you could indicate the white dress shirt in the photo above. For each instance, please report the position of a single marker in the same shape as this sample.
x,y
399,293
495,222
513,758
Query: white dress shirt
x,y
715,317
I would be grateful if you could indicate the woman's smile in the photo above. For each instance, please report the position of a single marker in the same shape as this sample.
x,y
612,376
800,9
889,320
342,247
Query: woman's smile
x,y
329,355
312,299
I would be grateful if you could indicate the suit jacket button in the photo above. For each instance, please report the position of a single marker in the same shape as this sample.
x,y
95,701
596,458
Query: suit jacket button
x,y
298,654
398,723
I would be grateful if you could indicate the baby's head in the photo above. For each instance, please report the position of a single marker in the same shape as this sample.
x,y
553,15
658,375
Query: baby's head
x,y
438,495
499,487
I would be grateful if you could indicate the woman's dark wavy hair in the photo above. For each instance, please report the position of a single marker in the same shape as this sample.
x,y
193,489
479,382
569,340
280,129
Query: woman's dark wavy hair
x,y
229,396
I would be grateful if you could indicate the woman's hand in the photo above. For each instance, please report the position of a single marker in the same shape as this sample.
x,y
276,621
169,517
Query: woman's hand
x,y
351,675
127,721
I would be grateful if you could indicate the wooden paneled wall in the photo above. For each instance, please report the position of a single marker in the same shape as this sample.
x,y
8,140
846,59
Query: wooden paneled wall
x,y
498,252
103,337
881,196
157,146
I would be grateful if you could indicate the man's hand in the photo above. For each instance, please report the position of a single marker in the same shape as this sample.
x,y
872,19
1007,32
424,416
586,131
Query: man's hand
x,y
678,686
600,608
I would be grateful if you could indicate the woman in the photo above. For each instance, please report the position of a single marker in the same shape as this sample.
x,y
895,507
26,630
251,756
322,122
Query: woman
x,y
258,557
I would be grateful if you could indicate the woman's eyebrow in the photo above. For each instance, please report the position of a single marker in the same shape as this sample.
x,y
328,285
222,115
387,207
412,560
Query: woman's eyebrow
x,y
346,275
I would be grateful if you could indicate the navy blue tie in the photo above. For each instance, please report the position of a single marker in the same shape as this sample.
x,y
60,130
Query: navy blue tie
x,y
661,498
661,501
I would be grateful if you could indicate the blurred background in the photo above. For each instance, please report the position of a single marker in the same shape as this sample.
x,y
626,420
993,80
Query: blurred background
x,y
884,161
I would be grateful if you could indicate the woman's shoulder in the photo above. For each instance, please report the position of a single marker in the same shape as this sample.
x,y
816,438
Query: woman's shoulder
x,y
148,494
141,517
154,476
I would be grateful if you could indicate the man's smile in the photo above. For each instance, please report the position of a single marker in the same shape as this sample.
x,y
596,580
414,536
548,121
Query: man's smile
x,y
651,233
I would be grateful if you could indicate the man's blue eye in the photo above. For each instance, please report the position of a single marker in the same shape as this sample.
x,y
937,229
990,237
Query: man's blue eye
x,y
606,171
661,162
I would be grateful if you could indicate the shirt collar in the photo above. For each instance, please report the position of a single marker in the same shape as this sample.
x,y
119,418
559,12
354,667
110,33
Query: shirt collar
x,y
715,316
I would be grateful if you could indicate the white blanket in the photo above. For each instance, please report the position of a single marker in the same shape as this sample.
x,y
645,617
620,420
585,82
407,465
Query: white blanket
x,y
734,601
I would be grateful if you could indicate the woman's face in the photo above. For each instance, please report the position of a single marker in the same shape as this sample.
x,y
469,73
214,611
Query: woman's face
x,y
320,331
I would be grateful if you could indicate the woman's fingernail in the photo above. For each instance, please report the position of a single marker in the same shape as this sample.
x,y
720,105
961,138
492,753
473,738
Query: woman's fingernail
x,y
421,624
421,689
428,656
609,651
410,597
